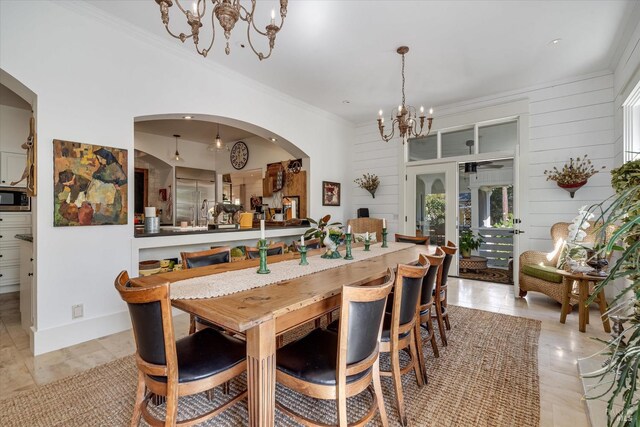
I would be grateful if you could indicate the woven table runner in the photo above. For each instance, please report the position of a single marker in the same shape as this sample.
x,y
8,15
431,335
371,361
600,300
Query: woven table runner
x,y
230,282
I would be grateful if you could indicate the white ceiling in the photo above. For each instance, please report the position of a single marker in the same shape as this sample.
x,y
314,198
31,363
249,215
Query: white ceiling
x,y
332,51
192,130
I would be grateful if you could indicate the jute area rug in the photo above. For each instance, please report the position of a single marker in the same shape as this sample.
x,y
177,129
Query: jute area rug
x,y
487,376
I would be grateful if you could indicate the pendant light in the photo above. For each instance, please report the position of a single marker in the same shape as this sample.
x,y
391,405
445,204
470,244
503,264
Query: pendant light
x,y
177,156
217,145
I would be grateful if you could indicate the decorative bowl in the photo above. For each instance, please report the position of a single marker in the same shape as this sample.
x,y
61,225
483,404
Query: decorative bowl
x,y
149,264
149,272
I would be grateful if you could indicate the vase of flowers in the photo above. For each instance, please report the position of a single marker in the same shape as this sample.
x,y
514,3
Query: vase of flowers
x,y
573,175
369,182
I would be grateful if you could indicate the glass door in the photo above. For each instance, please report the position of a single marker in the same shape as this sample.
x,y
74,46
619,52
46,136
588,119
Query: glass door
x,y
431,203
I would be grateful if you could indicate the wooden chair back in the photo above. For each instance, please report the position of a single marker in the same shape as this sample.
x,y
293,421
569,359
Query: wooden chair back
x,y
560,232
150,311
204,258
310,244
406,296
418,240
361,315
273,249
449,252
362,225
434,263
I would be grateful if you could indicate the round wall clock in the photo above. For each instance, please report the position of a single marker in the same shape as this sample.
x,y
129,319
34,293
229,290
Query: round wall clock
x,y
239,155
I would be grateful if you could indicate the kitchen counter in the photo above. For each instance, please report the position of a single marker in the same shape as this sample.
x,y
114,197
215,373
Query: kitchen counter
x,y
25,237
177,231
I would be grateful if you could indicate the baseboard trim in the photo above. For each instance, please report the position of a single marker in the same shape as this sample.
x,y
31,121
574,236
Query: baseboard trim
x,y
78,332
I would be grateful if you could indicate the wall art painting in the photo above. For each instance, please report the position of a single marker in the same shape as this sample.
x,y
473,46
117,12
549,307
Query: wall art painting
x,y
89,184
330,193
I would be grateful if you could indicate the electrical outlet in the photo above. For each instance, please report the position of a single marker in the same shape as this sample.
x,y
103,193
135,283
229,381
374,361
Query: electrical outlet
x,y
77,311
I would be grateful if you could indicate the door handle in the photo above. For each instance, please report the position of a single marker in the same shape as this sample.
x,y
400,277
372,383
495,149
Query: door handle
x,y
518,232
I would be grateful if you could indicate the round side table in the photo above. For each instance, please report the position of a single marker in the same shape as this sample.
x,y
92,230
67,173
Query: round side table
x,y
583,281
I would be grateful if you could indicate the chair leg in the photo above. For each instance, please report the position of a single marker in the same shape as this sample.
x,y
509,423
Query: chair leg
x,y
377,387
566,299
602,303
418,340
341,402
192,324
137,408
432,334
225,387
279,341
171,418
443,334
318,323
447,325
414,349
397,384
211,394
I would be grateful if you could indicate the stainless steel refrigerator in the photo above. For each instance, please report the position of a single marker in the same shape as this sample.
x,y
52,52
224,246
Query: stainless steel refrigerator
x,y
195,195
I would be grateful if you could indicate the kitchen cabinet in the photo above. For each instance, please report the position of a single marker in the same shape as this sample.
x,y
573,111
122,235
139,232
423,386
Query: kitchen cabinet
x,y
26,284
10,225
11,168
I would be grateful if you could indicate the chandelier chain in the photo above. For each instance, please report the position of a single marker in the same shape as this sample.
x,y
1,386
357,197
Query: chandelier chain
x,y
403,98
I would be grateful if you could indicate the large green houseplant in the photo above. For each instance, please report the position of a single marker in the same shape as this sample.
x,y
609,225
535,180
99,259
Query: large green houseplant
x,y
469,242
620,371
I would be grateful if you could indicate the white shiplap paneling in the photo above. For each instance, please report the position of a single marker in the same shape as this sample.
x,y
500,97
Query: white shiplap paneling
x,y
566,119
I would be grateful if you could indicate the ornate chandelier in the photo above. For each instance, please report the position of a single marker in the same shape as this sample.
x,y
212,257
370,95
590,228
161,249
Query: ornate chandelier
x,y
406,117
228,12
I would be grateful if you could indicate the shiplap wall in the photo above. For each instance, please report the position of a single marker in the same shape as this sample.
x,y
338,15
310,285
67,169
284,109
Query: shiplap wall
x,y
566,119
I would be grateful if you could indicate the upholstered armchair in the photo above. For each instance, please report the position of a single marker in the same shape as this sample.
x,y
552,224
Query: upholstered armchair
x,y
537,268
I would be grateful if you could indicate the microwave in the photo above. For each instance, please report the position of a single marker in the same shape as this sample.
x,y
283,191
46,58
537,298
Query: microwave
x,y
14,199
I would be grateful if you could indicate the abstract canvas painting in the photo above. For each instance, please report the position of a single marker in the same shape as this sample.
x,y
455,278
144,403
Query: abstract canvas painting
x,y
90,184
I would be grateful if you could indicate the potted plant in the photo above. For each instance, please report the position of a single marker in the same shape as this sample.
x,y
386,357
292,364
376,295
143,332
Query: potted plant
x,y
469,242
369,182
319,230
619,373
573,175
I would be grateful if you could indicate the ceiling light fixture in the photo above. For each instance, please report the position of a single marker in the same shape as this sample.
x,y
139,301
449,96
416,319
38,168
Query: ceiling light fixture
x,y
187,117
406,117
556,41
217,144
228,12
273,139
176,156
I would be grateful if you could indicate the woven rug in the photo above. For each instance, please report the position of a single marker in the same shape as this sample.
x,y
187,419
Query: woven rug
x,y
230,282
487,376
496,275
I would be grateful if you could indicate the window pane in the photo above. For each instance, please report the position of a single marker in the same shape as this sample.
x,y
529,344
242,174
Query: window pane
x,y
423,148
458,143
500,137
431,207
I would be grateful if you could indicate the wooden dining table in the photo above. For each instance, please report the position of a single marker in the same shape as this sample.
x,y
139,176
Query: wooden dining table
x,y
262,313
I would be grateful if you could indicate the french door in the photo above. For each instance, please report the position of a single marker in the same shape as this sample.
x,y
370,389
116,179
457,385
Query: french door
x,y
431,202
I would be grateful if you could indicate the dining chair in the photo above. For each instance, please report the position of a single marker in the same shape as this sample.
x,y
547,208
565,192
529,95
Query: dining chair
x,y
434,263
202,259
170,369
208,257
273,249
418,240
440,294
309,244
398,329
336,365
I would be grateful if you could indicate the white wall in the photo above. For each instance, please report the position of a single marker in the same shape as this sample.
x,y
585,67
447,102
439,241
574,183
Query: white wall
x,y
626,77
92,75
14,128
566,119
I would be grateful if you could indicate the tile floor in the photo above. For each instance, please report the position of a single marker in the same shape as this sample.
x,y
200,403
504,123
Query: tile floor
x,y
560,347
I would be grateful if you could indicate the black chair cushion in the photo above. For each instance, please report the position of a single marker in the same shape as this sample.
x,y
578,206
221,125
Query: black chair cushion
x,y
428,284
313,358
203,261
446,264
206,353
386,328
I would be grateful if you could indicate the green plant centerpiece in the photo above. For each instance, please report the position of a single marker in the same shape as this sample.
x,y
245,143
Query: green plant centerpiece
x,y
619,373
469,242
319,228
369,182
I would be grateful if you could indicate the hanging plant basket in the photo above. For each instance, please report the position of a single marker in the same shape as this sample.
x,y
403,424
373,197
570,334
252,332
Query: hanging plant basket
x,y
572,188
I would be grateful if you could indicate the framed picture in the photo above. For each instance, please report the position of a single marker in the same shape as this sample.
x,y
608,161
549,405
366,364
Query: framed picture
x,y
89,184
330,193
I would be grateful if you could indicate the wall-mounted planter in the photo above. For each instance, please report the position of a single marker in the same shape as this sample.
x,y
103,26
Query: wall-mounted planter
x,y
572,188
